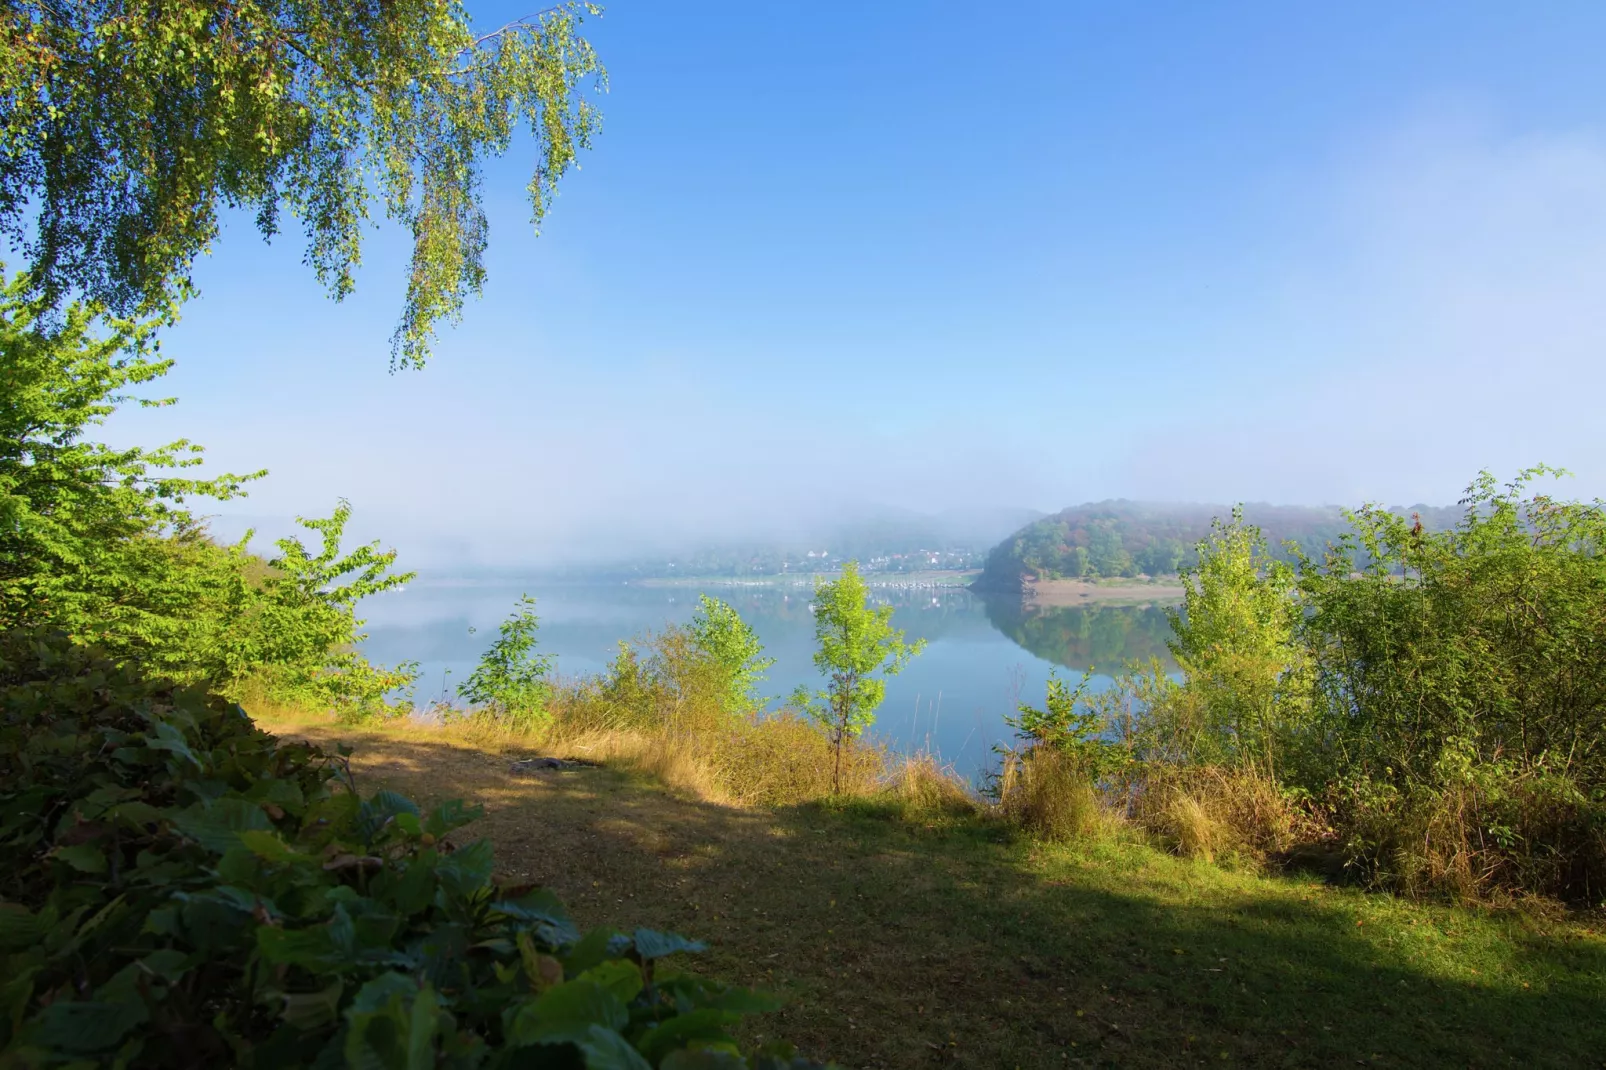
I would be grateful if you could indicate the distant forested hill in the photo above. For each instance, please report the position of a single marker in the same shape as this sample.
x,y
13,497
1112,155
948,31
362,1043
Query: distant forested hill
x,y
1124,538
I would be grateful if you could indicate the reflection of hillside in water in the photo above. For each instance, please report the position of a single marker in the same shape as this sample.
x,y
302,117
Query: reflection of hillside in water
x,y
1080,637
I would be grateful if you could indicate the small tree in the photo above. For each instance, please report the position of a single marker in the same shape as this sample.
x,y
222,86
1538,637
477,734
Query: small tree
x,y
858,649
1236,643
511,681
720,633
1070,723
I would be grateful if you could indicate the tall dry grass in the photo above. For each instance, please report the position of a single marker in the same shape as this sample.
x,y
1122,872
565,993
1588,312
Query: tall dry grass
x,y
1212,812
1052,796
659,709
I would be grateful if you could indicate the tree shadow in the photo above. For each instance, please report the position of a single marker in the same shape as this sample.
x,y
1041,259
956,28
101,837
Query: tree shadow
x,y
903,945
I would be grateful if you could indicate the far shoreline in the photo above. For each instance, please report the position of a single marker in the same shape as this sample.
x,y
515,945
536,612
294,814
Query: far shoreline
x,y
956,579
1054,593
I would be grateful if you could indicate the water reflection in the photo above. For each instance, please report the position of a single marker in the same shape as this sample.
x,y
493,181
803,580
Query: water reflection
x,y
1082,637
982,656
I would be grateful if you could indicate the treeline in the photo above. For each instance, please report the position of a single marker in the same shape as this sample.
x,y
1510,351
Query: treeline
x,y
1123,538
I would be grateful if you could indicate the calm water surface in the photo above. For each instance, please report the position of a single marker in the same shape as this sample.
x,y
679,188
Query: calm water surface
x,y
982,654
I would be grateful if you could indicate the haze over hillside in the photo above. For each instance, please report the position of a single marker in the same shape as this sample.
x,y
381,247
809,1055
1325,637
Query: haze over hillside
x,y
1127,538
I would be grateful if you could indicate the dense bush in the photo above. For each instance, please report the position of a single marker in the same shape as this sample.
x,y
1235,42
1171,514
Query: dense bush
x,y
1459,693
1431,703
99,542
510,684
180,889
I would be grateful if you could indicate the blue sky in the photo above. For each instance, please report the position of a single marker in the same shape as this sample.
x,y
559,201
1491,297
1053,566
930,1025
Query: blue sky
x,y
943,256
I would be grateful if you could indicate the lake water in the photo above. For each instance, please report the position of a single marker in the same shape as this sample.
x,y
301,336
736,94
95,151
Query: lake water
x,y
982,655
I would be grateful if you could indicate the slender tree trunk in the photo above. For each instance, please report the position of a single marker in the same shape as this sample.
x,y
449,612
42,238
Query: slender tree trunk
x,y
836,776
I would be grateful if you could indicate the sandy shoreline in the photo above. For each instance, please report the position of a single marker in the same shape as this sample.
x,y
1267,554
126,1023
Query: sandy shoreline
x,y
1081,592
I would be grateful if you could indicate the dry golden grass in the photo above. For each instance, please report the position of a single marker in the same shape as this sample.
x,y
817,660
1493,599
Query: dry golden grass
x,y
1211,813
1051,797
901,948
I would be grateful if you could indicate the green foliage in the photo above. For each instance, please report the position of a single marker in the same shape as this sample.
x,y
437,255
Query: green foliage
x,y
1460,691
79,520
731,643
1432,700
183,890
858,649
293,629
661,682
99,542
510,683
1070,724
1122,538
127,125
1236,645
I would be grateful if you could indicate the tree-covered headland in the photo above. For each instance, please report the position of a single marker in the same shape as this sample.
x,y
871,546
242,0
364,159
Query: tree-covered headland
x,y
1110,539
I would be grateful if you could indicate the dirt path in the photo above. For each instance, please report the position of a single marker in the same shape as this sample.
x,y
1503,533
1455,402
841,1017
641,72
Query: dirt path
x,y
903,944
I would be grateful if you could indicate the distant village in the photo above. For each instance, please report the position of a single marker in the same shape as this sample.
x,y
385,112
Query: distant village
x,y
811,562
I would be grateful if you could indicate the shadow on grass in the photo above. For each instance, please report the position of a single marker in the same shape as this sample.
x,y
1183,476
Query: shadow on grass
x,y
903,945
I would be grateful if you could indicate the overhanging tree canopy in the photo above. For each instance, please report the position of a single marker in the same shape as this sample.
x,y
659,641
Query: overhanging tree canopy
x,y
126,124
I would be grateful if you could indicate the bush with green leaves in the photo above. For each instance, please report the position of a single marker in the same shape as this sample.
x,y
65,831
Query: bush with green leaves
x,y
1236,644
510,682
1434,699
720,633
100,543
1071,723
181,889
1460,692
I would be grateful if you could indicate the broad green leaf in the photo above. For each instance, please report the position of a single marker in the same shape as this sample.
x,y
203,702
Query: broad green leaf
x,y
702,1060
313,1010
708,1026
651,944
84,857
589,951
269,847
467,869
316,948
19,927
414,890
421,1028
377,993
215,825
167,963
605,1049
167,737
379,811
619,976
449,815
285,794
565,1011
87,1026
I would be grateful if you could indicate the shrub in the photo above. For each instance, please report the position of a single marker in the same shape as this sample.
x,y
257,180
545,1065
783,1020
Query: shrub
x,y
1460,696
720,633
925,789
183,890
857,649
1209,812
99,542
510,682
1051,795
784,758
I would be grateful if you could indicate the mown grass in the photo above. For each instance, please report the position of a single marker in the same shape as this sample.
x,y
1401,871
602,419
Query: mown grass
x,y
924,937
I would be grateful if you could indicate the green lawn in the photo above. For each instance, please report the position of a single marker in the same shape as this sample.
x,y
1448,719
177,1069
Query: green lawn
x,y
907,944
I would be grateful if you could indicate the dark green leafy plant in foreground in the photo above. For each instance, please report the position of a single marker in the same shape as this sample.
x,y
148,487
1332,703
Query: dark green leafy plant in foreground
x,y
180,889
